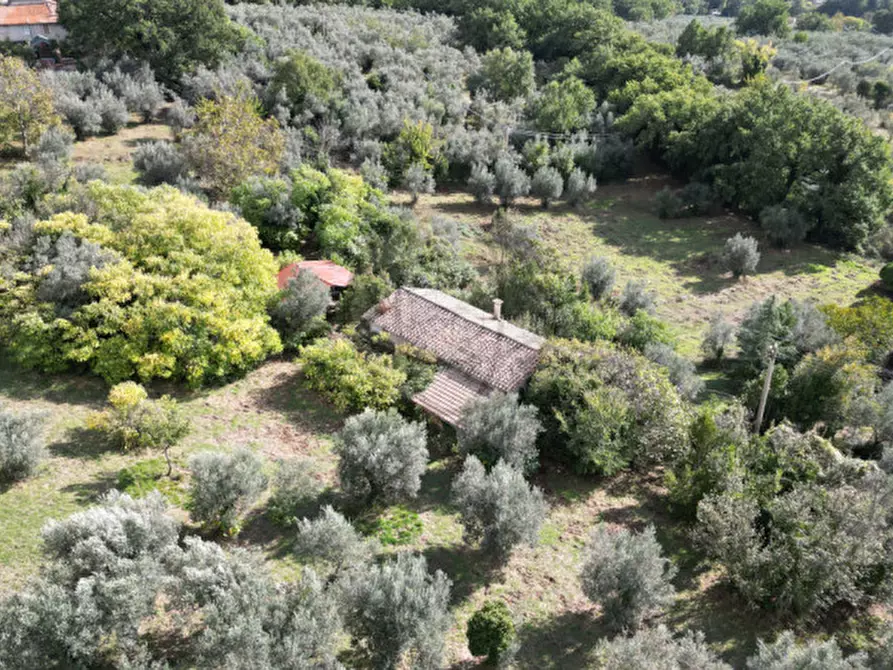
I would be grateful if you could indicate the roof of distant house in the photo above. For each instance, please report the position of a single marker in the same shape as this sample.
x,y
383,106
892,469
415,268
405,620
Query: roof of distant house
x,y
329,273
489,350
37,13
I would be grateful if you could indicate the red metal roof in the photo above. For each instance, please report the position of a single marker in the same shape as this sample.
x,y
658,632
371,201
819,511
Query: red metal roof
x,y
24,15
328,272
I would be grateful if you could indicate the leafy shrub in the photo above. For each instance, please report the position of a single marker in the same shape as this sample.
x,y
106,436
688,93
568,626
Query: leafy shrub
x,y
55,145
159,162
374,174
132,421
348,378
506,74
482,183
636,297
301,308
500,509
382,456
112,111
86,172
547,185
720,334
142,478
579,187
605,409
680,370
786,654
330,539
625,573
21,445
500,427
740,255
510,180
365,292
642,330
784,226
818,548
870,323
657,648
598,277
182,295
669,204
887,276
294,487
223,486
490,630
399,608
417,180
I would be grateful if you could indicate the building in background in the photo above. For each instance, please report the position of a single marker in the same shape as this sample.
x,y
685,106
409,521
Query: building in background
x,y
25,20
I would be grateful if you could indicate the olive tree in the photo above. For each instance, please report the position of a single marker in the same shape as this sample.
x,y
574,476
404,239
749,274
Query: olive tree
x,y
786,654
598,277
547,185
223,486
657,648
301,305
740,255
500,508
499,427
21,444
626,574
331,539
382,456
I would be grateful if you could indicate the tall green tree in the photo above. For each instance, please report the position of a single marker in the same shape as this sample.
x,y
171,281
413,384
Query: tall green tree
x,y
173,36
26,105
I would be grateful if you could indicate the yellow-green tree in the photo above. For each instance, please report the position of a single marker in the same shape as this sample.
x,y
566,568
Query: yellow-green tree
x,y
231,141
26,105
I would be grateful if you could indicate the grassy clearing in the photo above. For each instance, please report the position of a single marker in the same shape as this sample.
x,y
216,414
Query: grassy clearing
x,y
115,152
678,258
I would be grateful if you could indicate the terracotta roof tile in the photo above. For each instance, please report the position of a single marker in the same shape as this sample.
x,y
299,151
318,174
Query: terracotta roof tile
x,y
33,14
448,394
328,272
488,350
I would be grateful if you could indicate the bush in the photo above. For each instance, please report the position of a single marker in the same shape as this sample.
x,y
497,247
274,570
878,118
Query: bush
x,y
482,183
490,630
500,509
223,486
625,573
182,294
21,445
579,187
887,276
301,308
348,378
382,456
159,162
636,297
510,181
641,330
606,409
55,145
680,370
870,323
669,204
718,337
657,648
132,421
768,323
112,111
740,255
330,539
417,180
500,427
547,185
365,292
598,277
399,608
294,487
784,226
786,654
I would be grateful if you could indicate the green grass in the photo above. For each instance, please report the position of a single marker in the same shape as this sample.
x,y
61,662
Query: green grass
x,y
143,477
678,258
393,526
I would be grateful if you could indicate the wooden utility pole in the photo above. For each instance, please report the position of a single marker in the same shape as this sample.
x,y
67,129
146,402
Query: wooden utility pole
x,y
767,386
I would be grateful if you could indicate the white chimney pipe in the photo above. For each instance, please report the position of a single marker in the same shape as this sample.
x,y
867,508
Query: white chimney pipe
x,y
497,309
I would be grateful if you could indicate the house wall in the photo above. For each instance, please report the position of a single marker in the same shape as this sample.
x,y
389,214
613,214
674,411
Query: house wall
x,y
24,33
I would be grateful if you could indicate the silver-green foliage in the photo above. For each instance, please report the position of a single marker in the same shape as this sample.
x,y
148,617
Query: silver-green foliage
x,y
598,276
786,654
511,182
500,427
500,508
741,255
303,302
720,334
547,185
680,370
331,539
398,608
159,162
223,486
579,186
21,444
482,183
637,297
294,486
382,456
626,574
657,648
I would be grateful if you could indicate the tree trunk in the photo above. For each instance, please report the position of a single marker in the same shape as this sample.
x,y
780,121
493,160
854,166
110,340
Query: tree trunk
x,y
167,457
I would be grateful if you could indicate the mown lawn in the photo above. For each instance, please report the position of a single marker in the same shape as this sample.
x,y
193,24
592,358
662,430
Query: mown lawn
x,y
678,258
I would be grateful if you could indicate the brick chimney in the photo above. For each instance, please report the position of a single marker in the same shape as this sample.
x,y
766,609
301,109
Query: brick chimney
x,y
497,309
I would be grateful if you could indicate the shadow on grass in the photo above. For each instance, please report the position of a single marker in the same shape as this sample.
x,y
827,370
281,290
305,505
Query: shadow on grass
x,y
20,384
468,567
83,444
299,405
89,493
565,641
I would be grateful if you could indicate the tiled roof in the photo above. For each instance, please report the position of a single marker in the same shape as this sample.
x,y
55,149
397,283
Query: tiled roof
x,y
33,14
328,273
487,349
448,394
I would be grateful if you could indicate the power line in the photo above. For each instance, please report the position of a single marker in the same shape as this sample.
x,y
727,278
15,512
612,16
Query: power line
x,y
838,66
